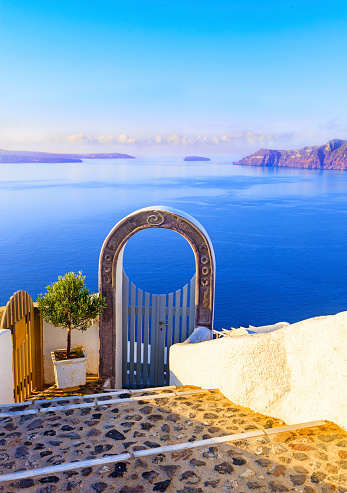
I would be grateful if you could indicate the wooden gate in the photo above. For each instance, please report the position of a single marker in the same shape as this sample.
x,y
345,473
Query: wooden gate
x,y
150,325
22,318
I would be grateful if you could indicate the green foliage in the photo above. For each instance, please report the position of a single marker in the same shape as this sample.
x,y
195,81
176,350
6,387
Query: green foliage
x,y
69,304
78,350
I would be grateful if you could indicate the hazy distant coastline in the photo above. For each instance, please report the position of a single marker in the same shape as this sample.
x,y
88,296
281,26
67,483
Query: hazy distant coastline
x,y
332,155
51,157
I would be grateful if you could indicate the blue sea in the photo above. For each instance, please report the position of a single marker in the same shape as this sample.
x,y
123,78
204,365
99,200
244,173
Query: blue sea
x,y
279,235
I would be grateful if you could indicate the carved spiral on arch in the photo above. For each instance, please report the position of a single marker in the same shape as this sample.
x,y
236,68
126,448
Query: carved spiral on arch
x,y
155,219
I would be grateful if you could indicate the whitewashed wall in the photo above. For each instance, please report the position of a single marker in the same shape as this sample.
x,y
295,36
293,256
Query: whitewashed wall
x,y
297,373
6,375
55,338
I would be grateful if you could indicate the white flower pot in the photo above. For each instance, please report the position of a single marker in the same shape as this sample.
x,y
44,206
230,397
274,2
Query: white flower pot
x,y
70,372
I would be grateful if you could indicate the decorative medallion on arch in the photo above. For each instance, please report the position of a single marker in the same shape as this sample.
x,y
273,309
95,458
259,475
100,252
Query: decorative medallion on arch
x,y
111,277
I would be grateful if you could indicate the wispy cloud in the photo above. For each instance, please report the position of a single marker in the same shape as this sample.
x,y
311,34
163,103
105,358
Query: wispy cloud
x,y
334,125
174,140
228,141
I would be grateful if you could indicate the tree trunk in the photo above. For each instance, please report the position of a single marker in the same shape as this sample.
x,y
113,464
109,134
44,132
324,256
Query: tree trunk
x,y
68,343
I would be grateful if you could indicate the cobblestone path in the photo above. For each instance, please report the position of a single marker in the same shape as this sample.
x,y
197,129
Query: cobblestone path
x,y
92,427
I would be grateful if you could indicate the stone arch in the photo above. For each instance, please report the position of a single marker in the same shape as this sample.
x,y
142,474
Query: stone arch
x,y
111,269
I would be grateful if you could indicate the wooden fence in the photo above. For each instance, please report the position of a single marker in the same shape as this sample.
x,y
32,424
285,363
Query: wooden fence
x,y
150,325
22,318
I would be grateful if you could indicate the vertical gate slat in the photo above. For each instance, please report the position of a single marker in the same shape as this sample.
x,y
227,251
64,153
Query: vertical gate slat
x,y
139,338
21,357
19,305
26,368
169,332
160,349
20,374
30,347
177,316
26,349
192,306
32,352
4,318
184,313
16,306
125,337
153,339
146,340
15,316
23,375
132,334
37,339
16,365
24,346
21,299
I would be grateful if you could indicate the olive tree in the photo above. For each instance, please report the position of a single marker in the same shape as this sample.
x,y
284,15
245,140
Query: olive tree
x,y
68,304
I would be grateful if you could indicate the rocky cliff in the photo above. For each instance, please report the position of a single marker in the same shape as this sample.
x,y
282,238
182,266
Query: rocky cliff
x,y
332,155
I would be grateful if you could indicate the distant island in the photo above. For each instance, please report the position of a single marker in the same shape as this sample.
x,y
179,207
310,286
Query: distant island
x,y
196,158
332,155
52,157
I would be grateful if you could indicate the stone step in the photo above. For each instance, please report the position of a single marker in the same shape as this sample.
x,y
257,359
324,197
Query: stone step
x,y
76,402
152,451
172,437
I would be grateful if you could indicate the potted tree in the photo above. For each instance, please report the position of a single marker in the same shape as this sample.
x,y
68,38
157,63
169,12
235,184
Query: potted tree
x,y
69,305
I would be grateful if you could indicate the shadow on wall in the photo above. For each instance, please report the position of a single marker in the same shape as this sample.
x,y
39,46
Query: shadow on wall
x,y
55,338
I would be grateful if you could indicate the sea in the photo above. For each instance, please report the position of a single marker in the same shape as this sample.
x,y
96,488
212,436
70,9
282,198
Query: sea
x,y
279,234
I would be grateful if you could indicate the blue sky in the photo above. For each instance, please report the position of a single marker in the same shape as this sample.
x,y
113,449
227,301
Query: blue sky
x,y
172,77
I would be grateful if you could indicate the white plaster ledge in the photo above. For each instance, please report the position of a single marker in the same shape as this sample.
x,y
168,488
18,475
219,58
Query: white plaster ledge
x,y
297,373
6,372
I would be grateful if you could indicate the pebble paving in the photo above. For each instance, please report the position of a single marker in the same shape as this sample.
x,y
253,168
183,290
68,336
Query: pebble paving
x,y
308,460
